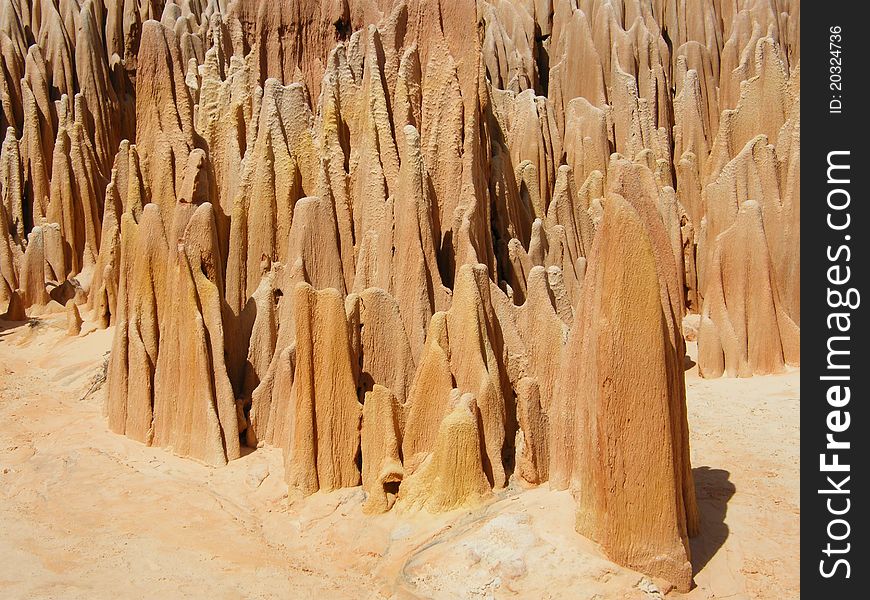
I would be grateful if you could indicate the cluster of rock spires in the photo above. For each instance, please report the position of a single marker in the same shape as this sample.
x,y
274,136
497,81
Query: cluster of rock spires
x,y
429,247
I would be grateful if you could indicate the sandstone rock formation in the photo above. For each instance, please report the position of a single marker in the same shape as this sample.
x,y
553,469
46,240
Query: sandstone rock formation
x,y
325,437
633,445
452,475
73,318
381,449
417,244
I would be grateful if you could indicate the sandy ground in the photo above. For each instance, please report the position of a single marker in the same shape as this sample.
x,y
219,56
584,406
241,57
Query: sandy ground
x,y
85,513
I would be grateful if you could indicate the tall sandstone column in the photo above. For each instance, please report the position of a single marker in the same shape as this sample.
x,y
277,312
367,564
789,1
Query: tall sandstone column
x,y
632,478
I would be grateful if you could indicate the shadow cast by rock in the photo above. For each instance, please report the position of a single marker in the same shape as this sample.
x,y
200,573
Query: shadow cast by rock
x,y
8,327
713,489
688,363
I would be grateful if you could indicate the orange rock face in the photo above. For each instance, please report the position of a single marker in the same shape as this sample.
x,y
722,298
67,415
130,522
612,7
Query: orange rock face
x,y
428,247
633,446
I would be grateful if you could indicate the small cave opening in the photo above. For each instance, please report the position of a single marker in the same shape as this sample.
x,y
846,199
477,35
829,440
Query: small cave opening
x,y
359,460
391,488
342,29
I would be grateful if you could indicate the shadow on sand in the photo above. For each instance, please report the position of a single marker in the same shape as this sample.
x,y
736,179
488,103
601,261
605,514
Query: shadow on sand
x,y
7,327
713,489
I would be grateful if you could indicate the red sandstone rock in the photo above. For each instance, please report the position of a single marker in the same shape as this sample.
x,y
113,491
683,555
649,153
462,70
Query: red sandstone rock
x,y
393,227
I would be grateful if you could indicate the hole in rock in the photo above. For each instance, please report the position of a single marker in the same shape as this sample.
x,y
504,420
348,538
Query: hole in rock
x,y
342,29
391,488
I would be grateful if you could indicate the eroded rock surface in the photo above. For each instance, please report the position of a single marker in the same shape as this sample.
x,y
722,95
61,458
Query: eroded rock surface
x,y
414,243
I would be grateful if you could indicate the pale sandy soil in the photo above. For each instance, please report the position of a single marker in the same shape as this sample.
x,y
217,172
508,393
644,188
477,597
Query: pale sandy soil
x,y
85,513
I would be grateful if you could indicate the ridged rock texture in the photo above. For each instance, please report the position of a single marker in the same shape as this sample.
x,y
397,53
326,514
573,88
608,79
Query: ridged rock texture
x,y
426,246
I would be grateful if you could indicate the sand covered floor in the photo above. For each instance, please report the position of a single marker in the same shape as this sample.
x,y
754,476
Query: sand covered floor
x,y
85,513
